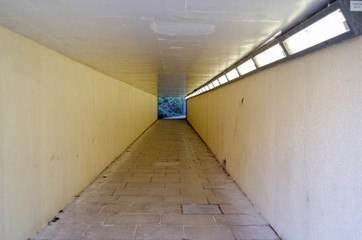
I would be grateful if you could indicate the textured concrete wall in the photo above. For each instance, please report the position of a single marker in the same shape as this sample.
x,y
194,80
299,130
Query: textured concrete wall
x,y
61,124
291,137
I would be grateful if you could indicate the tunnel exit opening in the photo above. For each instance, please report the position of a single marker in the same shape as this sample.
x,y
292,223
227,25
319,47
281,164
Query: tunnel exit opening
x,y
171,108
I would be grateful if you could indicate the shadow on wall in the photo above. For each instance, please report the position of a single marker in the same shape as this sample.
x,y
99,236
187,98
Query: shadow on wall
x,y
171,108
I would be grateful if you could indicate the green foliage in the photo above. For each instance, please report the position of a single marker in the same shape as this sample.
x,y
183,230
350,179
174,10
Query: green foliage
x,y
170,106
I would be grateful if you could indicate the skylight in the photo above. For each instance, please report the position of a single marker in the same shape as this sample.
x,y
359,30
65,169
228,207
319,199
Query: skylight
x,y
270,55
223,79
246,67
231,75
332,25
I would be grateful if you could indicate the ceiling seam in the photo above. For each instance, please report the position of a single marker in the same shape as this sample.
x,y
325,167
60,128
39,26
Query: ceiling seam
x,y
159,46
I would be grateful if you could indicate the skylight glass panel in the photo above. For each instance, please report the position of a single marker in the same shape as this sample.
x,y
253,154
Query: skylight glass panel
x,y
223,79
216,83
270,55
330,26
210,86
247,67
232,74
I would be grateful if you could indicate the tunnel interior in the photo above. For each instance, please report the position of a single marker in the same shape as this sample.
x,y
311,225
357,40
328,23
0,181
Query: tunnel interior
x,y
265,143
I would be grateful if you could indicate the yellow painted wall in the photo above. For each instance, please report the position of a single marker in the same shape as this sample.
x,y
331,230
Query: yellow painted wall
x,y
292,139
61,124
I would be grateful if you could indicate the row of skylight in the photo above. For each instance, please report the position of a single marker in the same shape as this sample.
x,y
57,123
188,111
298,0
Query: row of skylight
x,y
331,26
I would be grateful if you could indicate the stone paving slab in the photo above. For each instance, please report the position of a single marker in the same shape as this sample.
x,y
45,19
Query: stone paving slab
x,y
201,209
209,233
254,233
159,232
141,195
110,232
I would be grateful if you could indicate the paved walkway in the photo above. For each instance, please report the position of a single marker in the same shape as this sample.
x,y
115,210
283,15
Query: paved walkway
x,y
167,185
176,117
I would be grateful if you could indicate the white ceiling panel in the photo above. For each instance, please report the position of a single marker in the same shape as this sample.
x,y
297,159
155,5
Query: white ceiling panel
x,y
165,47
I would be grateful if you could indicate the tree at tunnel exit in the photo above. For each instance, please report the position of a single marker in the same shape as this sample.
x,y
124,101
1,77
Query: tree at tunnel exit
x,y
171,107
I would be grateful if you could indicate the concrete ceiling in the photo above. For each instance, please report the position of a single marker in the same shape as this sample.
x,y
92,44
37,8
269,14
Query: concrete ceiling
x,y
165,47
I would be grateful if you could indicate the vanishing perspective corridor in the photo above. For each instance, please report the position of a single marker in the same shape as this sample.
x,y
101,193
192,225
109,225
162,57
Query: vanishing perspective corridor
x,y
268,146
166,185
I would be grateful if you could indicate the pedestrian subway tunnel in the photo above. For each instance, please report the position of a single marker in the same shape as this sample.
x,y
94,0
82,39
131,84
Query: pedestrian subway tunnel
x,y
166,185
270,147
